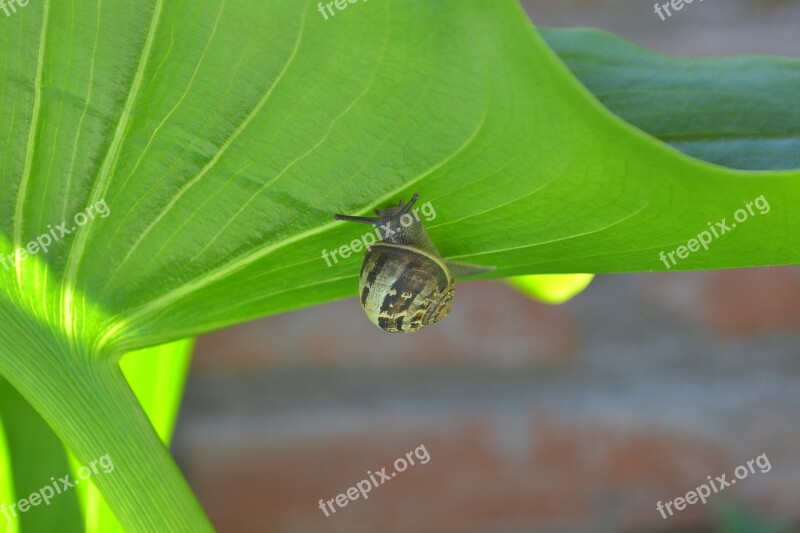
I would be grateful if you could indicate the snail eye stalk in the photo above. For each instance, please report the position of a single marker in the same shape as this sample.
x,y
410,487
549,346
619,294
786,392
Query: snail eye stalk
x,y
409,205
360,220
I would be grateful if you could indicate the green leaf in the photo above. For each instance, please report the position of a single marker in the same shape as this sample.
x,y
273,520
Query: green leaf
x,y
212,142
157,376
551,288
739,112
738,520
33,455
218,186
7,493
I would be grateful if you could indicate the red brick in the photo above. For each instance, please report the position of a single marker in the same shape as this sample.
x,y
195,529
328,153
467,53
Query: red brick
x,y
568,475
744,301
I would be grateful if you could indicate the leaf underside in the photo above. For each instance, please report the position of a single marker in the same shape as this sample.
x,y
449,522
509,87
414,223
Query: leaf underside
x,y
223,146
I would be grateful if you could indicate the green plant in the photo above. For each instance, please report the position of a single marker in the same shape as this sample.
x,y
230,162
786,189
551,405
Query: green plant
x,y
222,137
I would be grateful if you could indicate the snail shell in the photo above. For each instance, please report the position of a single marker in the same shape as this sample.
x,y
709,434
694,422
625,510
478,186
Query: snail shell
x,y
405,284
403,289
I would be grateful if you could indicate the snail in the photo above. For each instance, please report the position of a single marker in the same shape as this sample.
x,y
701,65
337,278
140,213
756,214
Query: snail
x,y
405,284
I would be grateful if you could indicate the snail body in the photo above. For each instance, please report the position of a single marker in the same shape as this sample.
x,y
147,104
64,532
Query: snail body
x,y
405,284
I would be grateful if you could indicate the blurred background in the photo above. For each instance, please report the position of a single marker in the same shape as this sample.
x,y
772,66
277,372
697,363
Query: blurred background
x,y
578,417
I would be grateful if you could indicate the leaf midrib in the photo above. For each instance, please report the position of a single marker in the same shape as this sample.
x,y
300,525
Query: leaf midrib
x,y
32,131
100,186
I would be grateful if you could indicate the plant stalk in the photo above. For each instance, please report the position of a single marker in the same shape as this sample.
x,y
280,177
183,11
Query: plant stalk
x,y
90,406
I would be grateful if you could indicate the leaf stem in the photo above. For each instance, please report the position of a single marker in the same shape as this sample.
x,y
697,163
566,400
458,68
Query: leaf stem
x,y
90,406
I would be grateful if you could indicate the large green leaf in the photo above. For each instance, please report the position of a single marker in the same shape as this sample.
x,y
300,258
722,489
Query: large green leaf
x,y
222,137
739,112
223,146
